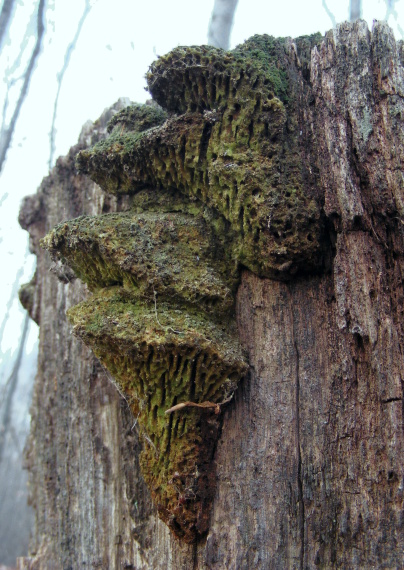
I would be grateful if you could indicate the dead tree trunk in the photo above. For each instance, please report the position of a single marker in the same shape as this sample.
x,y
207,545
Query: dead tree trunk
x,y
309,465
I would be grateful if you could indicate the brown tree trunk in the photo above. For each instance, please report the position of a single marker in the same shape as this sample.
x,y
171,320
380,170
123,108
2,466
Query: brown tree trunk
x,y
310,463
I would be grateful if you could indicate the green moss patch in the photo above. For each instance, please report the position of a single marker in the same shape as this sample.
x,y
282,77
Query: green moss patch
x,y
159,356
172,255
235,147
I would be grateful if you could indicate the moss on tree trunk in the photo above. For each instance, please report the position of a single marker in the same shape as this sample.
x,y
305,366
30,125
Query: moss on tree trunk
x,y
289,153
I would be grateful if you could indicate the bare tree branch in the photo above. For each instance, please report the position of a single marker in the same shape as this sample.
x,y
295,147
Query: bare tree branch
x,y
355,10
330,14
9,75
221,23
391,11
11,384
8,133
5,15
69,51
26,39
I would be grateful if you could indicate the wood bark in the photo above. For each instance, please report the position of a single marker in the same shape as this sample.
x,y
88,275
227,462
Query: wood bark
x,y
310,464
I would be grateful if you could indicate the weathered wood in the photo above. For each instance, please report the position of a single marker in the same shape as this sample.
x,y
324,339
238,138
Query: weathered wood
x,y
310,464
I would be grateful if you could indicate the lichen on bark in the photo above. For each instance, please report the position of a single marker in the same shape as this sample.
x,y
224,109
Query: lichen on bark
x,y
219,184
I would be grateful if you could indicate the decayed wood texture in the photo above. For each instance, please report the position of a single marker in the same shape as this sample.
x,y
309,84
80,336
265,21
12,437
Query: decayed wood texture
x,y
310,465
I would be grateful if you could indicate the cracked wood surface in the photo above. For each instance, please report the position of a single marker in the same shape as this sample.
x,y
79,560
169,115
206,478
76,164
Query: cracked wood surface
x,y
310,463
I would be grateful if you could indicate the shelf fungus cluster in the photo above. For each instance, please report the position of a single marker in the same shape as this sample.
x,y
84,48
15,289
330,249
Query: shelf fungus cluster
x,y
217,182
161,321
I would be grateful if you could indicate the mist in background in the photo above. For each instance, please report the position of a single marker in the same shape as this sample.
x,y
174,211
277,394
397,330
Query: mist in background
x,y
61,64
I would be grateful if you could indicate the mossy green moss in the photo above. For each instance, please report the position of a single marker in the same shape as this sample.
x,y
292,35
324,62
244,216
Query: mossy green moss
x,y
162,322
138,118
235,147
173,255
161,355
200,78
26,295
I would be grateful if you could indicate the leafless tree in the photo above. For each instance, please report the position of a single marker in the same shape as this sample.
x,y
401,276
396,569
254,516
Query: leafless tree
x,y
5,16
10,387
6,133
221,23
15,518
70,49
355,10
329,13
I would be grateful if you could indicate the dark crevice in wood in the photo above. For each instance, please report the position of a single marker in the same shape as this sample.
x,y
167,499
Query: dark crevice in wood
x,y
389,400
203,147
195,556
301,515
170,431
192,379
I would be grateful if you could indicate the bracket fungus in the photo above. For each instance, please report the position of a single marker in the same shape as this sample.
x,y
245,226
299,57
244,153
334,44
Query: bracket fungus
x,y
231,140
215,169
161,357
161,320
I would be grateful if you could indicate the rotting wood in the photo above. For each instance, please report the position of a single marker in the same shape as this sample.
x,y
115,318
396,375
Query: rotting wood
x,y
343,453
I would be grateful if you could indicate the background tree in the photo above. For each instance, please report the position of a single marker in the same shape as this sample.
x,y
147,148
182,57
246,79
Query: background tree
x,y
355,10
221,23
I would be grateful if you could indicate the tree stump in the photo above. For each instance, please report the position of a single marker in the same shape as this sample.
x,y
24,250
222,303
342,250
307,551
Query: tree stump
x,y
310,463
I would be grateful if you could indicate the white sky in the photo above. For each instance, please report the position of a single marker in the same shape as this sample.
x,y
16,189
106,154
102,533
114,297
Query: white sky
x,y
119,40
